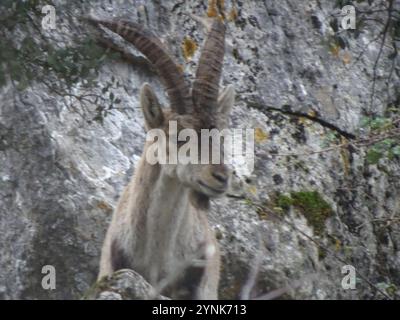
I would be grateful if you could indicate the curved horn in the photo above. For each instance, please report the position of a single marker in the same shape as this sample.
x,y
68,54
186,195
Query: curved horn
x,y
171,75
206,84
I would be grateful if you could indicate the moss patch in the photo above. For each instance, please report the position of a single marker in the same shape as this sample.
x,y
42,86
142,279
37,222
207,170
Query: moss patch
x,y
315,209
311,204
96,288
284,202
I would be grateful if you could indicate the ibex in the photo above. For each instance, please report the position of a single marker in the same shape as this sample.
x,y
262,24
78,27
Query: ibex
x,y
161,218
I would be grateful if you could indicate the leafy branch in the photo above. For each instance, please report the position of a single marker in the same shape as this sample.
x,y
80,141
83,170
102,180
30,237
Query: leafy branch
x,y
385,14
383,139
68,70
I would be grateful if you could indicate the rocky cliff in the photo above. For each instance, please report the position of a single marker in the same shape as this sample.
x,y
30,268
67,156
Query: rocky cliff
x,y
315,201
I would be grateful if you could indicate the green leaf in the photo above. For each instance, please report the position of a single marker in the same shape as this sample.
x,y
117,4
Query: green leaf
x,y
15,70
379,122
396,150
22,84
365,121
373,156
388,142
52,59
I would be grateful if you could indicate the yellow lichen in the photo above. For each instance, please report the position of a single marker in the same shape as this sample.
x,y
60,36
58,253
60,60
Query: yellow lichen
x,y
189,48
304,121
260,135
334,49
104,206
253,190
346,57
233,14
338,244
262,214
344,153
312,113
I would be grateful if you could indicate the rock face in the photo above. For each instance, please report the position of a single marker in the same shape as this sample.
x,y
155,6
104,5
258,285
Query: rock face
x,y
293,222
123,285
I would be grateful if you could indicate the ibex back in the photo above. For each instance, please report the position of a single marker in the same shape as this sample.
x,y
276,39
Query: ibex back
x,y
160,227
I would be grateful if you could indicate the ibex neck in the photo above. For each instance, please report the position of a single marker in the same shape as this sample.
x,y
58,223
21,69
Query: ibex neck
x,y
164,217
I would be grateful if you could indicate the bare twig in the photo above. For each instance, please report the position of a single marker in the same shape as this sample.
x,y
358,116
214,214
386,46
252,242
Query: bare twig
x,y
281,291
197,260
254,271
385,32
320,245
333,148
364,142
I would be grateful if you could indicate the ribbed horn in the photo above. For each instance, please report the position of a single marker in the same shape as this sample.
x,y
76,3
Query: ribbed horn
x,y
206,84
171,75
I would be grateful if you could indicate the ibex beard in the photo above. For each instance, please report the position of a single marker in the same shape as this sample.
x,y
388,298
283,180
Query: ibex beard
x,y
160,227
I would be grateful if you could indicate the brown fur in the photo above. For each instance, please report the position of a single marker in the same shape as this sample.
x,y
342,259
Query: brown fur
x,y
160,227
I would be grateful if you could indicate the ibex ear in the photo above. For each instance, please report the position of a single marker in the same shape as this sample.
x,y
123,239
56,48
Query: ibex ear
x,y
151,108
226,100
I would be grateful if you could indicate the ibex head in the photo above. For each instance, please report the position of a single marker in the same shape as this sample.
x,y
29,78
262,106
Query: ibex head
x,y
200,108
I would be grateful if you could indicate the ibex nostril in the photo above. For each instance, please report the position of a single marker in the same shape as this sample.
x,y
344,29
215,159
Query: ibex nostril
x,y
221,177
